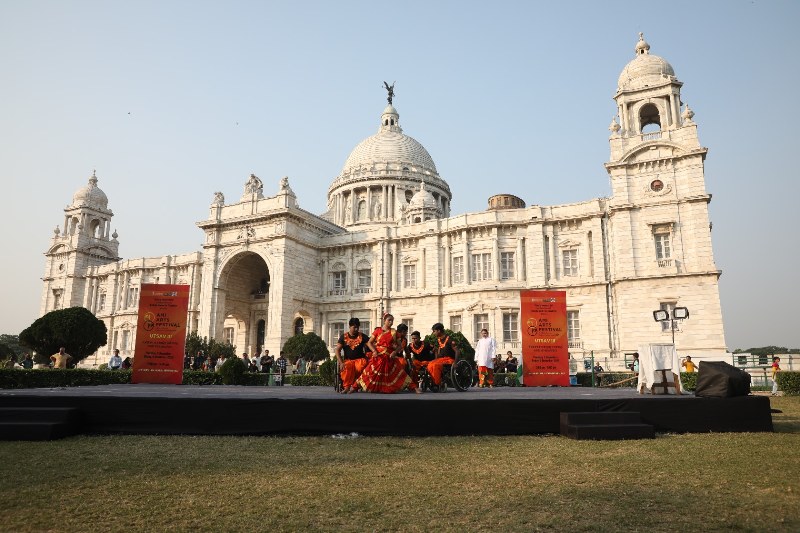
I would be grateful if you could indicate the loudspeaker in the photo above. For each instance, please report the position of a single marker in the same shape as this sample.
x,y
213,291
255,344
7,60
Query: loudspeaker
x,y
718,379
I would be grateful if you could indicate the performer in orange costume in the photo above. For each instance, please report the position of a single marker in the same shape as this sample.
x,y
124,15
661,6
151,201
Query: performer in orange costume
x,y
386,370
419,353
446,353
354,345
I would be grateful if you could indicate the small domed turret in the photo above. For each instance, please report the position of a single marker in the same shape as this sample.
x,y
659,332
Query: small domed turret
x,y
91,195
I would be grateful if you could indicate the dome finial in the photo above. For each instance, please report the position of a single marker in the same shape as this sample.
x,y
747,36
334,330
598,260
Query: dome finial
x,y
642,47
93,178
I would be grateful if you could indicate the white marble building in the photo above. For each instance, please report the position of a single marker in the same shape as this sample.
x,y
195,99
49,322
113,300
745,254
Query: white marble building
x,y
388,242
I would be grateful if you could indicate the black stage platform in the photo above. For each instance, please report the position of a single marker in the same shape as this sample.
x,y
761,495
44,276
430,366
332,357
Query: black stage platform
x,y
231,410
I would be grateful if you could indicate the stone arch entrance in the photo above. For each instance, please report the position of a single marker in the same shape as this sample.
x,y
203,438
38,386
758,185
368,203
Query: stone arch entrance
x,y
244,295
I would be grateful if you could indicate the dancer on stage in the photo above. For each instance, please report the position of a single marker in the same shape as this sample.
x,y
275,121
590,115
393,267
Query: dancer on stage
x,y
419,353
386,370
446,353
354,345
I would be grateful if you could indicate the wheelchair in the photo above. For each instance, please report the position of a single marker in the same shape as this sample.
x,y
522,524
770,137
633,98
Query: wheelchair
x,y
459,376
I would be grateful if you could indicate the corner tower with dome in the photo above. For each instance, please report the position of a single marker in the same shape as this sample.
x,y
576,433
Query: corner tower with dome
x,y
388,241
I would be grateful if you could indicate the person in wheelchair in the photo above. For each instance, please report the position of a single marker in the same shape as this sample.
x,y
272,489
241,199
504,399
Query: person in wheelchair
x,y
354,345
418,353
446,352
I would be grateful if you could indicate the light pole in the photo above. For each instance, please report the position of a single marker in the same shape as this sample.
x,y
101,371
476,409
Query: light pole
x,y
678,313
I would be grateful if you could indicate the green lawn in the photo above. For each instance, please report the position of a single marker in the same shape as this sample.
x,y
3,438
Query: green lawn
x,y
708,482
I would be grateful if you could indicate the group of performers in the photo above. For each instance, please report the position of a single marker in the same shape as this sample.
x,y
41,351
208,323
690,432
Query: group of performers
x,y
387,362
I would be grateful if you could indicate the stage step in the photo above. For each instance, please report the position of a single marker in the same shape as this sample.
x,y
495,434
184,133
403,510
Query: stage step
x,y
38,423
605,425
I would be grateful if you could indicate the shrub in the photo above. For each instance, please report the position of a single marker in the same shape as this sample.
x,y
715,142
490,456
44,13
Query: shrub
x,y
233,371
327,371
195,377
255,379
506,379
305,380
47,378
789,383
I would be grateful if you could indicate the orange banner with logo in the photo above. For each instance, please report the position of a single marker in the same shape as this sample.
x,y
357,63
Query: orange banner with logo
x,y
545,350
160,334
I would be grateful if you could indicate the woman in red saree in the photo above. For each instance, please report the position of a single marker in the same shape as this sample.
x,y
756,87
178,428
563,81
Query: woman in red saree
x,y
386,370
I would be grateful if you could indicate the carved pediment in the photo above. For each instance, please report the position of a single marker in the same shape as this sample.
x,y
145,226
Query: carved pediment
x,y
568,243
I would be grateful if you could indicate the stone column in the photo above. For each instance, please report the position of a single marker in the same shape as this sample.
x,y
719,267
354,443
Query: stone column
x,y
519,263
424,269
448,263
495,254
467,258
398,270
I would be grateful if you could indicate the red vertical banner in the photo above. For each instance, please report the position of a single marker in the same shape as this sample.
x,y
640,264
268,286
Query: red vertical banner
x,y
160,334
545,350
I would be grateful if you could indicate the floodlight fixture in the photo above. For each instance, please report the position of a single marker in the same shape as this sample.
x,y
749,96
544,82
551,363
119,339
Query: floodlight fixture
x,y
661,315
680,313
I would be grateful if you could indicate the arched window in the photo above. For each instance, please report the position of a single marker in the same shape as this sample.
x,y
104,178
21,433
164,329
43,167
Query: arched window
x,y
362,209
95,228
299,324
261,328
649,116
73,225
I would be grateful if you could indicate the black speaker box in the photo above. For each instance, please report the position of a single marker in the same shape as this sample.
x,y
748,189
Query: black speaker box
x,y
718,379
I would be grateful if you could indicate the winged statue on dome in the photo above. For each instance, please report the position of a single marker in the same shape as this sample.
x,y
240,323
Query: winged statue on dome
x,y
390,90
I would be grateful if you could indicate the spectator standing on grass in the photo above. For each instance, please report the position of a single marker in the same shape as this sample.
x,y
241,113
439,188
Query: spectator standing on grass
x,y
266,362
634,366
115,363
198,361
511,363
208,365
688,364
253,364
127,364
280,367
776,367
61,358
187,361
485,353
220,362
597,371
246,361
8,365
27,363
300,365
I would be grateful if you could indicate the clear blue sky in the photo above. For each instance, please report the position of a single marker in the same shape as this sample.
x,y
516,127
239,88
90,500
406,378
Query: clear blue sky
x,y
171,101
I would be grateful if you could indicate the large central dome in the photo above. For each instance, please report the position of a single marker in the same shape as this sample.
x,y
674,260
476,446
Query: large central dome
x,y
389,145
381,176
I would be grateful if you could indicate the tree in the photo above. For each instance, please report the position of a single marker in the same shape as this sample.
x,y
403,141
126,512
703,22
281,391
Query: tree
x,y
308,345
12,341
6,353
195,343
216,349
767,350
74,328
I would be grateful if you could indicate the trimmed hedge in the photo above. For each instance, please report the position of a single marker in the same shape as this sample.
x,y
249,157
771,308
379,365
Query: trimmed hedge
x,y
76,377
506,379
688,379
789,383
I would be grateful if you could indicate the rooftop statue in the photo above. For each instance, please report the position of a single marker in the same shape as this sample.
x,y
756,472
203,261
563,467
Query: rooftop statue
x,y
390,90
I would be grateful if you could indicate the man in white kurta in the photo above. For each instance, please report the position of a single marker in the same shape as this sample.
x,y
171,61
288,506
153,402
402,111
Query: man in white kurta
x,y
485,352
